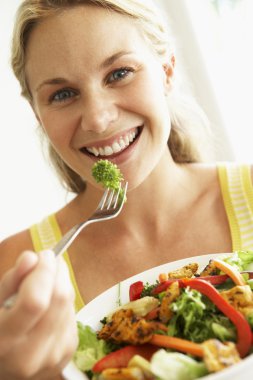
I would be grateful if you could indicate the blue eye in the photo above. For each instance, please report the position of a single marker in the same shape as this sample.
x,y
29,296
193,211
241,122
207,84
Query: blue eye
x,y
119,74
62,95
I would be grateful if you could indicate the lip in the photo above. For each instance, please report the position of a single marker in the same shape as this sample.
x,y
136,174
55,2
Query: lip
x,y
116,157
109,141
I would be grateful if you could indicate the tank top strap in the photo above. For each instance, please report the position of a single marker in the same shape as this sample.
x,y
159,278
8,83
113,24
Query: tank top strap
x,y
45,235
237,192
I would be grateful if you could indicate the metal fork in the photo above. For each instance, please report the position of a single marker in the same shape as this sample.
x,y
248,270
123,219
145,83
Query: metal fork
x,y
109,207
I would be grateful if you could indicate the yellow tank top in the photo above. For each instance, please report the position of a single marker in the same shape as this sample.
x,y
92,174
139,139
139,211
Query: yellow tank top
x,y
237,192
45,235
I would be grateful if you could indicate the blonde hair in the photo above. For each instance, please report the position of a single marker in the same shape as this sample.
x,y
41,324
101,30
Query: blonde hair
x,y
187,119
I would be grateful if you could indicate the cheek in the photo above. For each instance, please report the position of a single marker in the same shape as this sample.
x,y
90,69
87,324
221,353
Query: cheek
x,y
150,91
58,129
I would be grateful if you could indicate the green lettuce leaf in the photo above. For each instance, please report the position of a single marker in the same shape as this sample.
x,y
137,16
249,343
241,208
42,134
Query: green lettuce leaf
x,y
242,260
197,319
90,349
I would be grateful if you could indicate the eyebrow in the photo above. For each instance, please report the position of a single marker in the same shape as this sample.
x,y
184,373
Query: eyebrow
x,y
110,60
107,62
51,81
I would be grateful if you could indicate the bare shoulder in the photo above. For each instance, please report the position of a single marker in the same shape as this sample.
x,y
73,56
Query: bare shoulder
x,y
205,173
12,247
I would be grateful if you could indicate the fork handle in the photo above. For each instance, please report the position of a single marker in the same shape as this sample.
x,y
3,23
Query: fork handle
x,y
68,238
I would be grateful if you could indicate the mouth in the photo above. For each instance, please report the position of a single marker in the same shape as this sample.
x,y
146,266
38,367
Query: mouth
x,y
115,147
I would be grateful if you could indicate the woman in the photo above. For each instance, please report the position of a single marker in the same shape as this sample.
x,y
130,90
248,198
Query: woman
x,y
100,78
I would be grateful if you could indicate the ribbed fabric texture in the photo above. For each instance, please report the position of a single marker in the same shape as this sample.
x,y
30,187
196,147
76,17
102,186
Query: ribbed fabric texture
x,y
237,191
45,235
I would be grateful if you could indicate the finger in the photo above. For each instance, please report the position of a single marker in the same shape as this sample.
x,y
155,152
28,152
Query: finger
x,y
12,279
53,340
52,351
62,304
33,299
59,324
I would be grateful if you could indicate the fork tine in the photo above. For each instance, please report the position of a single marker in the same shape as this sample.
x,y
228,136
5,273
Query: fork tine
x,y
103,199
122,196
110,198
116,197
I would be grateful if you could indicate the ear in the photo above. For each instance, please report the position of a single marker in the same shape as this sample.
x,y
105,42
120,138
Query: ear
x,y
169,72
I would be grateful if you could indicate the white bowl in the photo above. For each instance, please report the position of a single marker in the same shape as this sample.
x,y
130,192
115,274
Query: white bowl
x,y
102,305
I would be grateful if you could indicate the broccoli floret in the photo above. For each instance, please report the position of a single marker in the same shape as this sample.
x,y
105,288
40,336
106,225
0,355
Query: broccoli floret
x,y
107,173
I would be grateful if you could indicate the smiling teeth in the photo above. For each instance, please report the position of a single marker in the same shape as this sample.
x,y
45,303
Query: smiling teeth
x,y
116,147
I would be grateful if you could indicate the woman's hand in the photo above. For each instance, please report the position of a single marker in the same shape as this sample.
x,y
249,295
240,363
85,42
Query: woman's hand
x,y
38,335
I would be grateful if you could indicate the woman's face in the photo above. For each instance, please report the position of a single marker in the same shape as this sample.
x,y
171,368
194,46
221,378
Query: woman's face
x,y
99,91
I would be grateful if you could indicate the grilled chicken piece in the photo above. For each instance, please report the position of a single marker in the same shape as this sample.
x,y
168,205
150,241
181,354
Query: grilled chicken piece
x,y
218,356
172,293
186,271
209,270
240,297
128,328
133,373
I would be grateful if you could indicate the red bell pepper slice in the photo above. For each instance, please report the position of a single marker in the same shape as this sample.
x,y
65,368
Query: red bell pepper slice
x,y
164,286
121,357
244,333
215,280
135,290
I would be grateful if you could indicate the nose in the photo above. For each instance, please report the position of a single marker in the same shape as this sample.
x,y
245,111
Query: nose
x,y
98,112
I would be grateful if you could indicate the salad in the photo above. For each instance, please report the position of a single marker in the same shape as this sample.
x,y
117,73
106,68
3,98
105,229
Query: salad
x,y
185,325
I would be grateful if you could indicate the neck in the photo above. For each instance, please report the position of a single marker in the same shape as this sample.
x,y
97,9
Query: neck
x,y
160,197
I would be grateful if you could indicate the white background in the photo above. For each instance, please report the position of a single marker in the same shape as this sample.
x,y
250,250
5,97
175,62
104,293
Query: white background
x,y
29,187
